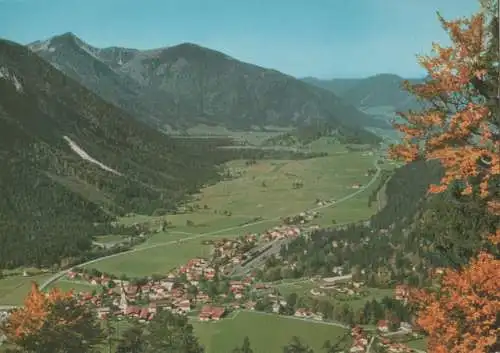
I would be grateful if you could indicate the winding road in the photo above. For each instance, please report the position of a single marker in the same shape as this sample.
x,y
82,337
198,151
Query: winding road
x,y
58,275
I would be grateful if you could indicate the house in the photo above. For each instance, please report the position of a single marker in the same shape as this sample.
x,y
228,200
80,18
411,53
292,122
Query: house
x,y
153,308
209,312
401,292
405,326
144,314
184,305
133,311
301,312
217,313
168,285
261,286
383,326
162,303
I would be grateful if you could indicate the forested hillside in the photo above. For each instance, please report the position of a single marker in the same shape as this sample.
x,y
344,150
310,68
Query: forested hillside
x,y
401,242
53,199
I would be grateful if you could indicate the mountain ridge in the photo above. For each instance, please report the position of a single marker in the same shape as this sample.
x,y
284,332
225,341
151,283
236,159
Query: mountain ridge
x,y
380,90
55,138
186,84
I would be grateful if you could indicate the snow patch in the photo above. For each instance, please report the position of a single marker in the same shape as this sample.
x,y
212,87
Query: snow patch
x,y
84,155
6,75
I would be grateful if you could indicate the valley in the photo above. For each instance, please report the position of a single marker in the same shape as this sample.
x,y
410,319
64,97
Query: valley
x,y
257,196
206,178
208,210
257,199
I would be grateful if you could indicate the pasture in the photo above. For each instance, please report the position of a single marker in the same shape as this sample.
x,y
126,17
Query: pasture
x,y
267,332
66,286
254,138
13,289
253,202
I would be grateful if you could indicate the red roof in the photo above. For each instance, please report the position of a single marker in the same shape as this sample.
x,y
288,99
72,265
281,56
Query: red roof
x,y
144,313
218,312
133,310
209,310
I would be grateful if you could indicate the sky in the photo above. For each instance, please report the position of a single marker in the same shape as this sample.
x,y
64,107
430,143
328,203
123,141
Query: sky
x,y
319,38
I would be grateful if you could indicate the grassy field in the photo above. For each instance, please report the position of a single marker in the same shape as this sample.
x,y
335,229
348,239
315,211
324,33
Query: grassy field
x,y
267,333
252,137
13,289
264,190
66,285
420,344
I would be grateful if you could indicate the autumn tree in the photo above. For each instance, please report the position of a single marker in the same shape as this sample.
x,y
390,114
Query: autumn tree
x,y
459,125
462,316
52,323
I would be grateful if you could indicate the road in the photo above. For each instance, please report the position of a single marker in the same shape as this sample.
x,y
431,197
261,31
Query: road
x,y
7,307
198,236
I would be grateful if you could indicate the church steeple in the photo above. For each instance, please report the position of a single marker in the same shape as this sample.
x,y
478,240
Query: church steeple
x,y
123,298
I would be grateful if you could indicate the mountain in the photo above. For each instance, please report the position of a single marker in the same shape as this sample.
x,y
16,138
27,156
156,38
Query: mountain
x,y
186,84
337,85
70,162
383,90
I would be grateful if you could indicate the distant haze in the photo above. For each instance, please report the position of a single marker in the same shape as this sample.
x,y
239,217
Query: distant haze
x,y
320,38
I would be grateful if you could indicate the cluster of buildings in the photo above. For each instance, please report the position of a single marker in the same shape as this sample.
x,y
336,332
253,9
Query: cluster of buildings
x,y
302,218
350,288
393,347
307,313
283,232
402,293
359,340
197,269
233,250
124,299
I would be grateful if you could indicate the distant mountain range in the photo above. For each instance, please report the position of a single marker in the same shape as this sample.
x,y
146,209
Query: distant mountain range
x,y
383,90
184,85
69,160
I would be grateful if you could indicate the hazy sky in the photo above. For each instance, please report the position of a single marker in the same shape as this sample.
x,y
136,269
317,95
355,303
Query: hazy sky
x,y
322,38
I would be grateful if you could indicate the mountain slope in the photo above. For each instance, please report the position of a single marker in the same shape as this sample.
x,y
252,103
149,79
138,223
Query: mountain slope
x,y
70,162
383,90
337,85
187,84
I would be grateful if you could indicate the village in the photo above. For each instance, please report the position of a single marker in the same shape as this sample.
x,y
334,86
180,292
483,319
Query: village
x,y
205,290
218,287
